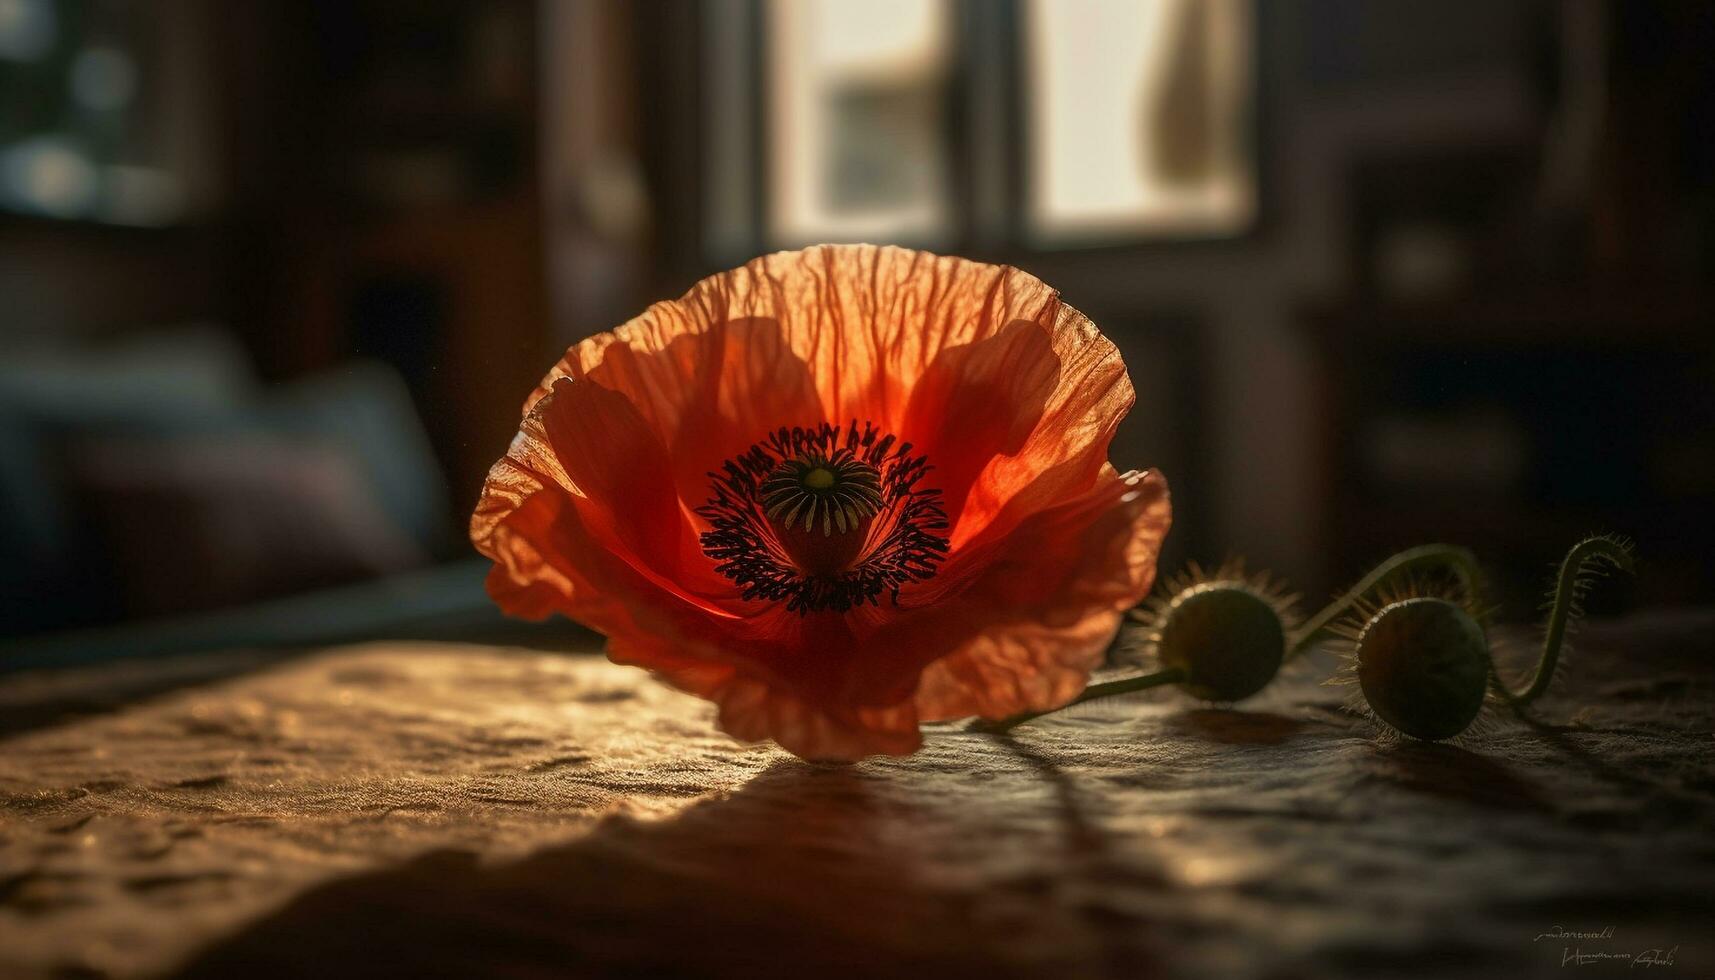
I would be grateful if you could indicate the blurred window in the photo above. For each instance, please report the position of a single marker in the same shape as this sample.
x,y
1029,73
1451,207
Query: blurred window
x,y
1033,123
1137,118
857,141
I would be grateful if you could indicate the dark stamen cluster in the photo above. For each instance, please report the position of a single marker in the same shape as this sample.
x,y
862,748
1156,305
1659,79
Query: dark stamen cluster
x,y
836,491
825,478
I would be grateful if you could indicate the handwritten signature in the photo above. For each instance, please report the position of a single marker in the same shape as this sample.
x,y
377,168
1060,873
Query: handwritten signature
x,y
1576,956
1561,932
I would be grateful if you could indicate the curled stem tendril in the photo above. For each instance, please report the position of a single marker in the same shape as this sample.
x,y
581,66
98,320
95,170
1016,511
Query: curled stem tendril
x,y
1459,560
1580,566
1577,570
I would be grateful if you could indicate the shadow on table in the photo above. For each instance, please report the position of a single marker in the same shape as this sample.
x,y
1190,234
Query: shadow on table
x,y
43,701
1460,775
817,871
1232,727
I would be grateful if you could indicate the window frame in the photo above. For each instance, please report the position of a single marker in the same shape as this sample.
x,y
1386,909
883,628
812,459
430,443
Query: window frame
x,y
988,156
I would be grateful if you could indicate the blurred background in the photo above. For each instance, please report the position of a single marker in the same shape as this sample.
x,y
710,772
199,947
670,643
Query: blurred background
x,y
276,276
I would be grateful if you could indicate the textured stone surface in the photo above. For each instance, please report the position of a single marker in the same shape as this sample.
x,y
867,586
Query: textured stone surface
x,y
455,810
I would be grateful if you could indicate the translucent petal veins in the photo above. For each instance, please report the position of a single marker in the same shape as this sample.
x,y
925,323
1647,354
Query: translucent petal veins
x,y
804,484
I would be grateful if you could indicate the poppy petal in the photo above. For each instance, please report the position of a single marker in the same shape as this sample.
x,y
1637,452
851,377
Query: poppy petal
x,y
710,386
1010,397
1023,637
591,445
1051,601
752,709
979,401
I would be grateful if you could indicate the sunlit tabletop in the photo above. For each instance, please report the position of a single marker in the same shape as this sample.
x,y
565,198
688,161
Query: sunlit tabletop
x,y
458,810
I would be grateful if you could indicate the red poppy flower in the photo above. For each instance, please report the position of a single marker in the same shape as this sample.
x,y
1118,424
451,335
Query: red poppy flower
x,y
837,492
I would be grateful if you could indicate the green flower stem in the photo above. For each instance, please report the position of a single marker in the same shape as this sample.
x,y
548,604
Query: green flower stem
x,y
1576,571
1095,692
1425,557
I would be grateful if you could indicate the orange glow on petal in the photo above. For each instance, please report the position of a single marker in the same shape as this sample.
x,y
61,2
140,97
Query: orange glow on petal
x,y
1024,545
1052,599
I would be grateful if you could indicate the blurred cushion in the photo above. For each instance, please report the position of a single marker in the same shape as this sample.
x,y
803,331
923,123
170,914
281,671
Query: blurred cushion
x,y
363,407
205,521
167,380
118,462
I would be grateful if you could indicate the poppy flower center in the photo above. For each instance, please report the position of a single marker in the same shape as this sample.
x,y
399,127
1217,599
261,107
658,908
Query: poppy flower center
x,y
824,518
821,508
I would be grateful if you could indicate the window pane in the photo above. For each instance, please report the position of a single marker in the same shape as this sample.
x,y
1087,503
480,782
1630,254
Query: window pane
x,y
1138,118
856,119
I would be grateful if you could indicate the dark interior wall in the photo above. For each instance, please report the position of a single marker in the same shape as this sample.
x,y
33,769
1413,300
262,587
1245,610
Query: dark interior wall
x,y
380,187
61,281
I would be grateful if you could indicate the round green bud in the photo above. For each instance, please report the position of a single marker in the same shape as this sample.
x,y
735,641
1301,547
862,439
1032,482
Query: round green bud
x,y
1228,640
1424,667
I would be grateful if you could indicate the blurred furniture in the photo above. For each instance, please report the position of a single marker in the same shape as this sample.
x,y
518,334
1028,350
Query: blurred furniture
x,y
386,197
1514,425
156,476
329,179
445,602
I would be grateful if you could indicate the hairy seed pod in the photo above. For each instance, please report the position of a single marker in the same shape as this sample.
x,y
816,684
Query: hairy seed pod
x,y
1227,638
1423,664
